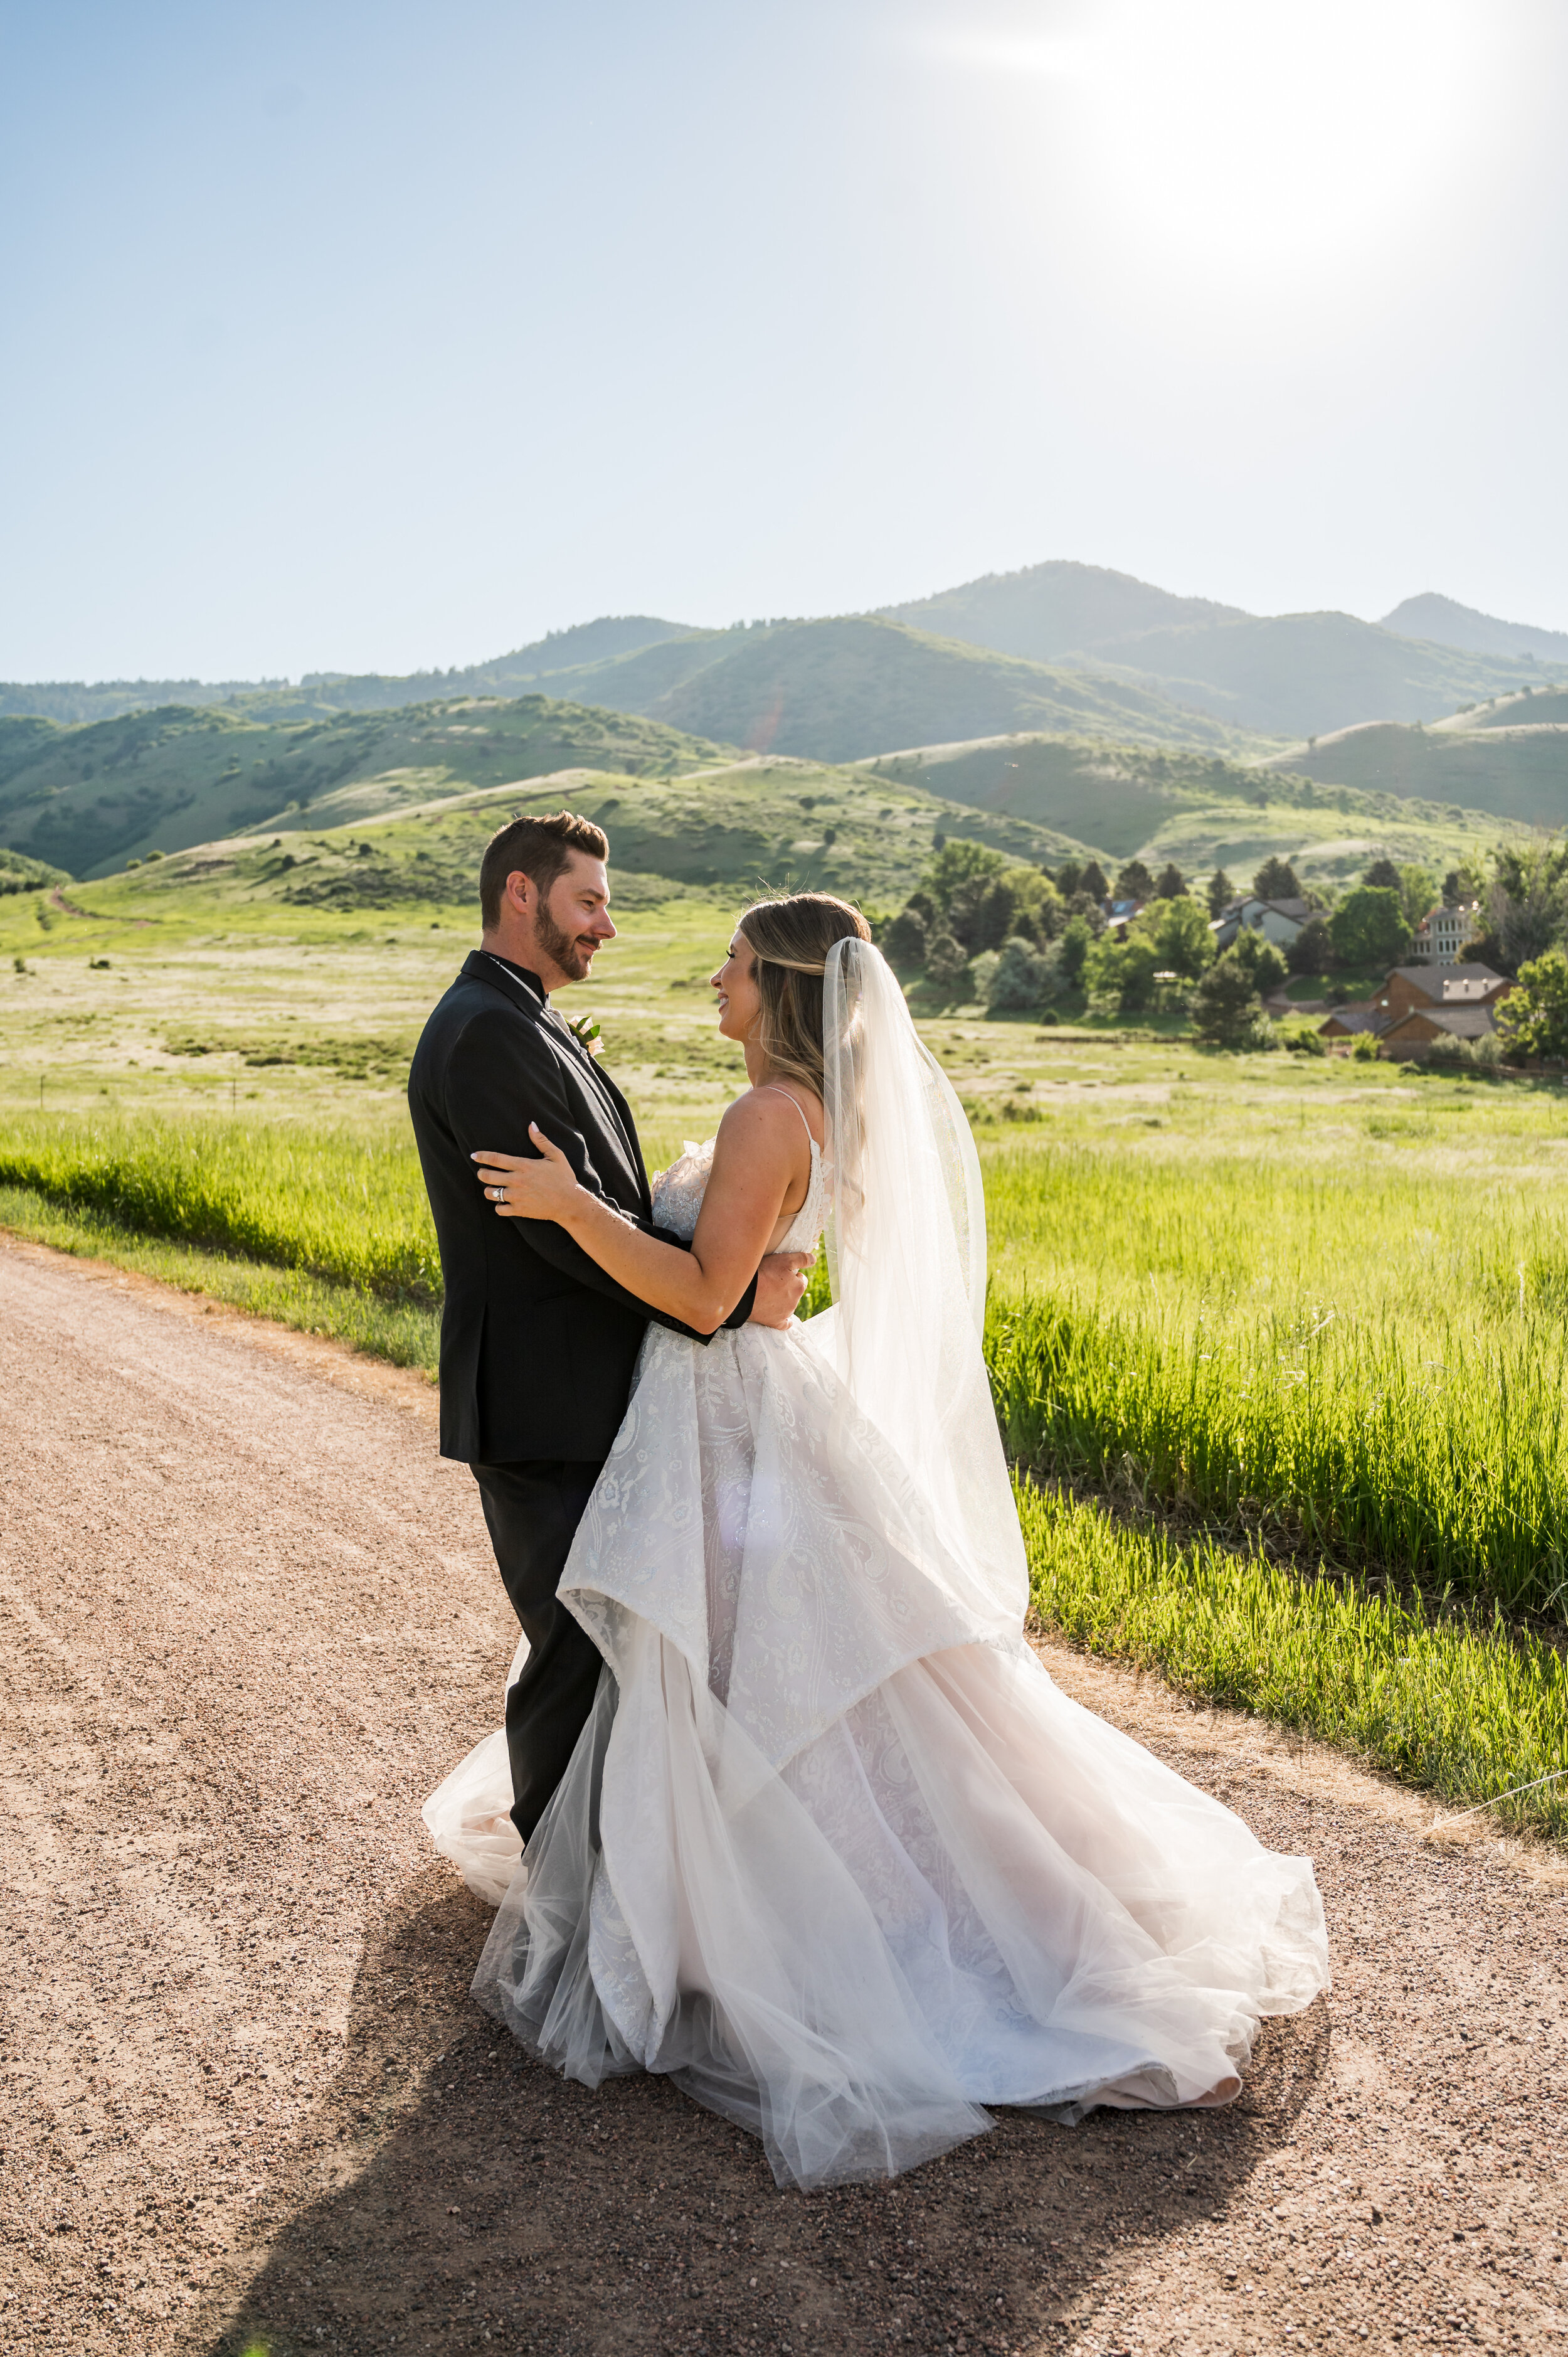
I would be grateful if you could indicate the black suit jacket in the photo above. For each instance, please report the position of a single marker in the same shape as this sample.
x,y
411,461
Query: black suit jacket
x,y
537,1344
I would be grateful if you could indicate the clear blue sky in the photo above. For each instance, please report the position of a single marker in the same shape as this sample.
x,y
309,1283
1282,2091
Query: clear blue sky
x,y
381,336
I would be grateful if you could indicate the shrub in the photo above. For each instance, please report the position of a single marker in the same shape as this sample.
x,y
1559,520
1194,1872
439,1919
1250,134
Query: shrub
x,y
1177,932
905,943
1120,971
945,961
1225,1009
981,972
1533,1019
1366,1046
1312,951
1260,959
1078,940
1022,978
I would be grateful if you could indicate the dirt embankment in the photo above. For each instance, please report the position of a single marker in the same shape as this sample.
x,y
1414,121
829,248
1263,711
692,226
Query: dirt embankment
x,y
251,1619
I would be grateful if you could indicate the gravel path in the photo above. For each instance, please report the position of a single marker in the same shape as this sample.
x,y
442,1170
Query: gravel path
x,y
251,1619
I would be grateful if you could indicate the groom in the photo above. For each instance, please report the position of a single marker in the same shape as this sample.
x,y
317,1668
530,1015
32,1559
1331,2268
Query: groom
x,y
537,1344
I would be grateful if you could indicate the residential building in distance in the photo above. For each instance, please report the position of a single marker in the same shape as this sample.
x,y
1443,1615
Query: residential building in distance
x,y
1409,986
1422,1025
1442,933
1278,920
1419,1004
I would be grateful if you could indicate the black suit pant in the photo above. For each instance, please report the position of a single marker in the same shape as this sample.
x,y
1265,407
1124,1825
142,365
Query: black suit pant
x,y
532,1510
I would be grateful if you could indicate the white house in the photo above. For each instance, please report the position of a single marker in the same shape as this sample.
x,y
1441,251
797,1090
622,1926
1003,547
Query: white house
x,y
1278,920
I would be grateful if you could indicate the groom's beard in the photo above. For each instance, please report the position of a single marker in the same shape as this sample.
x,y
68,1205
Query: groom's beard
x,y
568,951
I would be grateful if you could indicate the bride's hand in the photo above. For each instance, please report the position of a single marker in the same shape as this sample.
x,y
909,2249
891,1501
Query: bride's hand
x,y
521,1189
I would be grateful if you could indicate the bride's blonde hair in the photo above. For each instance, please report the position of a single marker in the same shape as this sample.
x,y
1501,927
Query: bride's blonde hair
x,y
790,939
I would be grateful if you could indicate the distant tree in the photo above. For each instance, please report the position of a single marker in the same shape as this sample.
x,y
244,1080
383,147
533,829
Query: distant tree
x,y
1382,875
1528,903
1135,882
1275,881
1069,877
1370,928
1312,951
1485,947
1093,882
959,862
981,910
1177,932
1121,968
1533,1019
1078,940
1225,1009
946,961
1221,892
1170,884
1022,979
1418,893
904,945
1049,911
1260,959
1461,884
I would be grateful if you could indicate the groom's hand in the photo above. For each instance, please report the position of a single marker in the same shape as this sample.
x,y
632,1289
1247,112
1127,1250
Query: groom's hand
x,y
781,1281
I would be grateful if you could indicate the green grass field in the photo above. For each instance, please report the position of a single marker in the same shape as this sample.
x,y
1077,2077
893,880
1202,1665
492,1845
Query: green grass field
x,y
1298,1321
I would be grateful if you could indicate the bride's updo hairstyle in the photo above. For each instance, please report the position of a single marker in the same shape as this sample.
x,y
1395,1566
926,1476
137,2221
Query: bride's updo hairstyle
x,y
790,939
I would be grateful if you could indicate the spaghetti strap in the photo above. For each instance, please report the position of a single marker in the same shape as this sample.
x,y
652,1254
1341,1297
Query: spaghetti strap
x,y
774,1090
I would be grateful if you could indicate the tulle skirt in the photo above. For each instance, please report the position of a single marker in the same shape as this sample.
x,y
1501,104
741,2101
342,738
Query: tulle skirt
x,y
834,1852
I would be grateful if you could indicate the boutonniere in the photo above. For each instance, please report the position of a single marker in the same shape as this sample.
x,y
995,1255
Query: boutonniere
x,y
585,1029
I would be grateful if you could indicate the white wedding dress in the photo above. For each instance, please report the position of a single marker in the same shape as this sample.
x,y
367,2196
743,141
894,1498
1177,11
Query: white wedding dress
x,y
833,1851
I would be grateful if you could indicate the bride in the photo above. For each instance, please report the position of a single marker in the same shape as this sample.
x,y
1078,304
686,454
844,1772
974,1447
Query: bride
x,y
833,1851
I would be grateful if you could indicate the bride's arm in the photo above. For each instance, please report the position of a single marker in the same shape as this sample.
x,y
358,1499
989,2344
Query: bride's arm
x,y
759,1149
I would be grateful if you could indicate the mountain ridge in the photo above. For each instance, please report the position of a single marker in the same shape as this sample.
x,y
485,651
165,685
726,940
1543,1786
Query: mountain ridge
x,y
1174,662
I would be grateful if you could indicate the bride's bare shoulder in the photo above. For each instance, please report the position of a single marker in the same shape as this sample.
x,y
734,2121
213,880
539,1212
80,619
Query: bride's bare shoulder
x,y
772,1120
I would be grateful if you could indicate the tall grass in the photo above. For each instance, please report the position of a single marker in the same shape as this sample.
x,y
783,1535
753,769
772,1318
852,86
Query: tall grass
x,y
1457,1479
1470,1712
1379,1361
327,1202
1376,1361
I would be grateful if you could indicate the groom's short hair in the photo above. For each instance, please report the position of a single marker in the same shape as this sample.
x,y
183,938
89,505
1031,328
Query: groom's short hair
x,y
541,848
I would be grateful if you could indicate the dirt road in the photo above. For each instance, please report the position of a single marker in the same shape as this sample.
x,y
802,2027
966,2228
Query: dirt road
x,y
250,1619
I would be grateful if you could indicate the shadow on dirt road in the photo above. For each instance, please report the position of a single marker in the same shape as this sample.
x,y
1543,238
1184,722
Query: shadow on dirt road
x,y
482,2200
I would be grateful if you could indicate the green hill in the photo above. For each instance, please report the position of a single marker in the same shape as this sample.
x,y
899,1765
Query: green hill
x,y
1531,707
1512,771
1285,674
323,691
1050,610
20,875
1447,624
1202,811
1300,675
839,690
90,797
735,829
